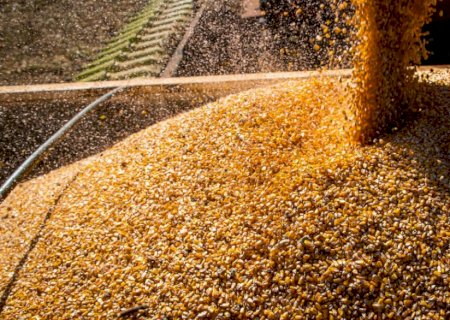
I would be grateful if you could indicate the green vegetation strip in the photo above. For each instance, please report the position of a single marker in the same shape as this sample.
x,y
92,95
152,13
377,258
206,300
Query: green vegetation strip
x,y
140,43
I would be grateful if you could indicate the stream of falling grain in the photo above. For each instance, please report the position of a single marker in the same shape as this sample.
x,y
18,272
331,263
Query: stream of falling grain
x,y
389,43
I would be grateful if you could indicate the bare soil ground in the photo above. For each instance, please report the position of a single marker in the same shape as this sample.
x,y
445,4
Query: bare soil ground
x,y
226,43
46,41
49,41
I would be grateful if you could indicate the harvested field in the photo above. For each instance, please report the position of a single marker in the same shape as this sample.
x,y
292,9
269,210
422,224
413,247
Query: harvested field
x,y
255,206
45,41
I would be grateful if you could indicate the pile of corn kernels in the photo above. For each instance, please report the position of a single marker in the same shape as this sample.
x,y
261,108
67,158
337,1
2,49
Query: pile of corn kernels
x,y
256,206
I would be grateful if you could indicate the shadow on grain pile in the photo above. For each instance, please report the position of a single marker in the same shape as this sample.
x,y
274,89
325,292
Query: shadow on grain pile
x,y
425,134
25,126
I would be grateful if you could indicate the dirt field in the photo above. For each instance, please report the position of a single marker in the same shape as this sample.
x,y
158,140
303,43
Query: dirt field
x,y
226,43
49,41
42,41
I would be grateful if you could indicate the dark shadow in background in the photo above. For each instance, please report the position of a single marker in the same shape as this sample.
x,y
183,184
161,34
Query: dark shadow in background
x,y
439,38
